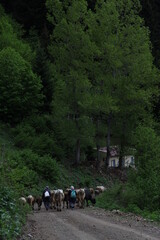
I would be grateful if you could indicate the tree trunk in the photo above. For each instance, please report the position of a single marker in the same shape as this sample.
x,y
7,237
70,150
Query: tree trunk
x,y
77,152
108,140
98,158
121,153
98,146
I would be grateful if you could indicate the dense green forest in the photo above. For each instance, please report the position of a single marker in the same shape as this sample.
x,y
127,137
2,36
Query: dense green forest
x,y
76,76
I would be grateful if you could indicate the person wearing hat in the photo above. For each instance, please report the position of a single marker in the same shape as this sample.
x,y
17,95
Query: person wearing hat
x,y
72,197
46,197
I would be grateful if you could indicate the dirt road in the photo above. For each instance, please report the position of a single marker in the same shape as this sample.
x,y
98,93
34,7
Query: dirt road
x,y
88,224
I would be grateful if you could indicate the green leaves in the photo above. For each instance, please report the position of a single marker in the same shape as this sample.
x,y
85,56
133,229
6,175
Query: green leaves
x,y
72,52
19,86
103,65
12,216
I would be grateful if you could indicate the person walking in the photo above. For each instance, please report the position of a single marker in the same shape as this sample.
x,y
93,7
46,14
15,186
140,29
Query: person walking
x,y
72,197
46,197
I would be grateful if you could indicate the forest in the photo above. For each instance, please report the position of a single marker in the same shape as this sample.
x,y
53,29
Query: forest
x,y
76,76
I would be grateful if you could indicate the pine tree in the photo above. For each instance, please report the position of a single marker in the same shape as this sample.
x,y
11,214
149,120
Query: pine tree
x,y
124,76
71,53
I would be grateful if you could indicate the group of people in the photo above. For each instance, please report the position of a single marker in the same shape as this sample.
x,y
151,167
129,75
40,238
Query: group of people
x,y
46,196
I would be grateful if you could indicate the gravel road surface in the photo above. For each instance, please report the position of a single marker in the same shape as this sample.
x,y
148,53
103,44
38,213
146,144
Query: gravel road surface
x,y
88,224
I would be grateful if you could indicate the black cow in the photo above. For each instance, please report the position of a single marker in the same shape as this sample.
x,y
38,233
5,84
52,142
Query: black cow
x,y
90,196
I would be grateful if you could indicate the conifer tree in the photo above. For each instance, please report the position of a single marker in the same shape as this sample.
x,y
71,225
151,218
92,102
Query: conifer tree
x,y
125,69
71,53
102,65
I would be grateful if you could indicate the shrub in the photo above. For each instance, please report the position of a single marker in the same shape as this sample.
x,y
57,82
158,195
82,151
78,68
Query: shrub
x,y
46,167
23,179
134,209
11,215
110,199
41,142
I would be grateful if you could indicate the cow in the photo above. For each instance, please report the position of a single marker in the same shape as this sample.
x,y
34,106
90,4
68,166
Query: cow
x,y
59,198
31,200
38,200
52,199
100,189
66,197
22,200
90,196
80,197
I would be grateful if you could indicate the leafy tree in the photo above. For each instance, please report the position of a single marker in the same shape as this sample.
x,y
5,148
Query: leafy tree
x,y
146,179
19,86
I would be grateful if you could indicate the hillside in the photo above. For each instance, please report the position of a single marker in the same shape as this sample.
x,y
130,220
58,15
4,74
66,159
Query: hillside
x,y
21,175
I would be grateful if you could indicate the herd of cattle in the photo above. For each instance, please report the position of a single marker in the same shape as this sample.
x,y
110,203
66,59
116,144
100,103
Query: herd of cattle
x,y
59,198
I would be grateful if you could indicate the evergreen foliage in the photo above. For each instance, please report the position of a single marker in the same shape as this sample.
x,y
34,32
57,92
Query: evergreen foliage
x,y
16,81
71,56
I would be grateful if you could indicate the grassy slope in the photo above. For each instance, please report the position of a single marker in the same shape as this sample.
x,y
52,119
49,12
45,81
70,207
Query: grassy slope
x,y
81,176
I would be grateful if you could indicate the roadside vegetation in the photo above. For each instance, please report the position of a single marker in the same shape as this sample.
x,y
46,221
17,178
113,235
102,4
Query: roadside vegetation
x,y
141,193
24,172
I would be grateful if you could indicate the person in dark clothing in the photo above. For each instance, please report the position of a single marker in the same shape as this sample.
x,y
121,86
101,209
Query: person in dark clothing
x,y
72,197
46,197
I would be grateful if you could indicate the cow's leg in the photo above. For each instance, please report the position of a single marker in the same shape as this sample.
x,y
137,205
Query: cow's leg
x,y
39,205
32,205
83,202
87,202
57,206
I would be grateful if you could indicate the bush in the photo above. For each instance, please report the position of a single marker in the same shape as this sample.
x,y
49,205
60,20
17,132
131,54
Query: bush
x,y
131,195
11,214
110,199
46,167
23,179
134,209
37,139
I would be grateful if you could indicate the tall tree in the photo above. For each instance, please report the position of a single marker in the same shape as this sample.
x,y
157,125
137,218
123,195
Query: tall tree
x,y
20,87
71,53
125,72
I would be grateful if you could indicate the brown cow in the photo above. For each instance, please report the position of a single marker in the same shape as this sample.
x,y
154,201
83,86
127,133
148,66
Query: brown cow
x,y
59,197
32,200
80,197
52,199
66,197
38,200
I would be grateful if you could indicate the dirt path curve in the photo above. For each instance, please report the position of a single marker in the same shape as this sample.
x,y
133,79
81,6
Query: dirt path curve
x,y
87,224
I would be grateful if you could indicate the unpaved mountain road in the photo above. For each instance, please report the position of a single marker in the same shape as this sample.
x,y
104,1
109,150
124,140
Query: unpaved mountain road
x,y
88,224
